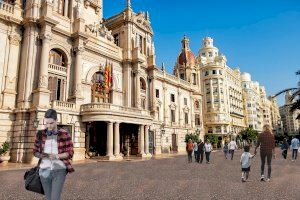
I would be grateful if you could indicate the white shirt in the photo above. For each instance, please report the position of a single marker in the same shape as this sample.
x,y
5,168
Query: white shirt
x,y
51,147
232,145
195,146
295,143
246,159
207,147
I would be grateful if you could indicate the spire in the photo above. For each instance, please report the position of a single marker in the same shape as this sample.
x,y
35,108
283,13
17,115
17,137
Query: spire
x,y
163,66
185,42
128,4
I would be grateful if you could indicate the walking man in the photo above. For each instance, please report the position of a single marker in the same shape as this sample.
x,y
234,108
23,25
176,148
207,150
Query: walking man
x,y
200,151
232,146
295,146
190,149
266,142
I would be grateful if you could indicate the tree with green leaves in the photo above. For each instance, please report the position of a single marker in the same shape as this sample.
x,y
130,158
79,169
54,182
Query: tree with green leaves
x,y
194,137
249,135
213,139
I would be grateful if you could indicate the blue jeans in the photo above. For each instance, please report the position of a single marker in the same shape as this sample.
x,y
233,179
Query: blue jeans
x,y
53,182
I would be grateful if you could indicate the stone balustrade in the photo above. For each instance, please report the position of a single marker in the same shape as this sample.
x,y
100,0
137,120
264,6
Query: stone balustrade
x,y
62,105
6,7
57,68
96,107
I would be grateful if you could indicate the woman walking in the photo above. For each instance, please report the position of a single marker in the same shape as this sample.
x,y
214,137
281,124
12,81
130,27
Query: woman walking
x,y
207,149
55,154
225,149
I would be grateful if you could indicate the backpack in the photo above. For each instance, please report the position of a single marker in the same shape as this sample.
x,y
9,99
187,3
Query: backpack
x,y
190,146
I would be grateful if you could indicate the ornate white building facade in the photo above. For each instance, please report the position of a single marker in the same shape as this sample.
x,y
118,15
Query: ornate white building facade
x,y
290,122
101,77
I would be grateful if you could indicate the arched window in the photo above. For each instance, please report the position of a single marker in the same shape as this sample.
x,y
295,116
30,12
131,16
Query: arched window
x,y
56,57
142,84
57,84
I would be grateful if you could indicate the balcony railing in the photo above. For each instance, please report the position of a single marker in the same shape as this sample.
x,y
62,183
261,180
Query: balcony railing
x,y
57,68
7,7
62,105
96,107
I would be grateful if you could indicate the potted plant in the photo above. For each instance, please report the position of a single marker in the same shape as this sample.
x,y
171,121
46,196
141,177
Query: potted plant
x,y
4,152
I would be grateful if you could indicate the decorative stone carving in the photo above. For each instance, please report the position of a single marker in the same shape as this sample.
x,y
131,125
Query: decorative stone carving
x,y
77,90
143,21
99,30
14,39
43,81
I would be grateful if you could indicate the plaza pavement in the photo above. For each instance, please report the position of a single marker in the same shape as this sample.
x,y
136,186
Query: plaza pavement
x,y
168,178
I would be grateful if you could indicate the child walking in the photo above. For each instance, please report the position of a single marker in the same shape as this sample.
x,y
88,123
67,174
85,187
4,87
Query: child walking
x,y
246,163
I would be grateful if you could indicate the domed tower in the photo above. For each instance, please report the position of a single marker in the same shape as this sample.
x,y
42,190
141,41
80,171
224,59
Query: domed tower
x,y
208,51
186,63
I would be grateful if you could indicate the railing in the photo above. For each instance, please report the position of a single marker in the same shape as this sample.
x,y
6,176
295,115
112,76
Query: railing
x,y
95,107
62,105
7,7
59,68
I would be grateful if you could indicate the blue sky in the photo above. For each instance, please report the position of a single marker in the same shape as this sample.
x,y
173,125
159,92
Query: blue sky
x,y
261,37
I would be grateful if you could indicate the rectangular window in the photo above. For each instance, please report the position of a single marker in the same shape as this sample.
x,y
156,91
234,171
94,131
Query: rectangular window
x,y
173,115
172,97
220,72
197,120
185,101
182,76
58,89
214,71
206,73
194,79
157,93
210,54
203,54
141,44
117,39
186,118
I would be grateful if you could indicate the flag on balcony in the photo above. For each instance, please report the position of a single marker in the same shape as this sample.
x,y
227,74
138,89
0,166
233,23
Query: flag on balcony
x,y
108,76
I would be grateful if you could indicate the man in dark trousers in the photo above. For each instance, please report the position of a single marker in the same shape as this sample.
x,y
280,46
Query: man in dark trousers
x,y
200,151
266,141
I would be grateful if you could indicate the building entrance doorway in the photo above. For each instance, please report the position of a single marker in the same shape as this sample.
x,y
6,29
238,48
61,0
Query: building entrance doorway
x,y
174,143
129,139
97,138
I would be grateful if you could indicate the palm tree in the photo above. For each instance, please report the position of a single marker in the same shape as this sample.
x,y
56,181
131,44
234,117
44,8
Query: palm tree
x,y
295,96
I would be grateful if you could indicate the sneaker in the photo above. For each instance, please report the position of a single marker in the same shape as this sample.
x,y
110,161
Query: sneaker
x,y
293,160
268,180
262,178
243,179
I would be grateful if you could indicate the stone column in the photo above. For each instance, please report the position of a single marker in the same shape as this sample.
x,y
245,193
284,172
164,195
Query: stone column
x,y
41,96
77,89
142,140
117,140
66,8
43,74
9,92
137,90
109,147
147,139
211,94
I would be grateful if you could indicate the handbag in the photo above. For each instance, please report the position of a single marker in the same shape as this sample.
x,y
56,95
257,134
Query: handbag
x,y
32,177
